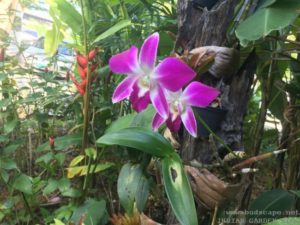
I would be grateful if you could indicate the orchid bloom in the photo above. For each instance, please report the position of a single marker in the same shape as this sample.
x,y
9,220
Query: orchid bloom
x,y
144,81
181,102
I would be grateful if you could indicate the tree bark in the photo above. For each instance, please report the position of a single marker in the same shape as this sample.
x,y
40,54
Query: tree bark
x,y
197,28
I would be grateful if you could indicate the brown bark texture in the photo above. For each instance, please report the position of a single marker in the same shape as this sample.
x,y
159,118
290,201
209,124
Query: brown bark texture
x,y
200,27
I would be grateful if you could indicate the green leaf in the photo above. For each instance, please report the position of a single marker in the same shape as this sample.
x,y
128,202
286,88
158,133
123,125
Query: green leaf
x,y
51,186
62,143
5,176
53,38
276,200
95,212
10,148
91,152
7,163
142,119
45,158
3,138
68,14
23,183
265,3
133,187
115,28
286,221
265,20
60,158
139,138
179,191
10,126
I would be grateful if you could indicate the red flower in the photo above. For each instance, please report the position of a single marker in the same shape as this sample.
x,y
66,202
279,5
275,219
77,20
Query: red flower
x,y
51,141
82,66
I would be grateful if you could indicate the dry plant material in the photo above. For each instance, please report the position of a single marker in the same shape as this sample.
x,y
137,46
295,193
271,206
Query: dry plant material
x,y
209,189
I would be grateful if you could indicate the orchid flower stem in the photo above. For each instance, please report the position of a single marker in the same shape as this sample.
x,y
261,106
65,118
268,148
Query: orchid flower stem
x,y
215,136
86,101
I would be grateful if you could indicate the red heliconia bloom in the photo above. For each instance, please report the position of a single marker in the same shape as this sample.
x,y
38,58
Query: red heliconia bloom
x,y
83,66
51,142
46,70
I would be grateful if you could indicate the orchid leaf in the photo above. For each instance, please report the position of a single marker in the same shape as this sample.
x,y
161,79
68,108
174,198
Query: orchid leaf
x,y
179,191
139,138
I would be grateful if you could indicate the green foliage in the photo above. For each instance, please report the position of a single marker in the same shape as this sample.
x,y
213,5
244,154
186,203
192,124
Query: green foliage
x,y
286,221
273,203
179,191
139,138
133,188
269,17
92,212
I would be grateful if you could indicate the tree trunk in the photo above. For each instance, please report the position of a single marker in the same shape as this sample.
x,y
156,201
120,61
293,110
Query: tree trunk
x,y
200,27
197,28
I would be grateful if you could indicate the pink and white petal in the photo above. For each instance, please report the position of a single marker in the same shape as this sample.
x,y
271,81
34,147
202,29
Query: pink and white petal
x,y
198,94
139,103
125,62
189,121
157,121
124,89
159,101
148,52
174,125
173,74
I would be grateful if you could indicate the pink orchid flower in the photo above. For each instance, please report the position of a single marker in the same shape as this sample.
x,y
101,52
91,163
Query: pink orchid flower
x,y
146,83
181,102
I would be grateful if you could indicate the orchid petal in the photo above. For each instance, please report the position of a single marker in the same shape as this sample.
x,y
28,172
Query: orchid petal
x,y
157,121
125,62
173,74
174,125
189,121
159,101
124,89
148,52
139,103
198,94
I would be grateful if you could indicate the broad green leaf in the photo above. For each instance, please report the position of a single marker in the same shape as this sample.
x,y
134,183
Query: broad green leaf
x,y
46,158
62,143
10,148
53,38
115,28
95,213
10,126
139,138
91,152
276,200
286,221
8,163
142,119
265,20
68,14
133,187
3,138
50,187
23,183
265,3
60,158
71,192
4,175
179,191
